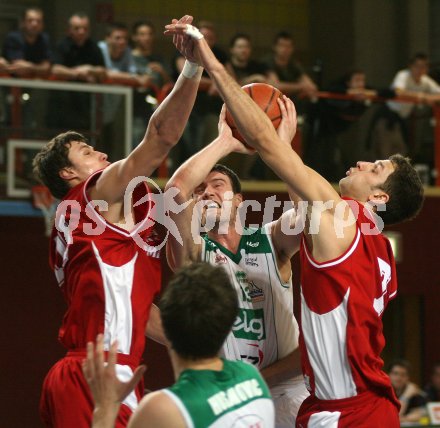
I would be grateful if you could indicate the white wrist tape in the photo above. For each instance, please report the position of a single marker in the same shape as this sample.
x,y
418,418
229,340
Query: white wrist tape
x,y
193,32
190,69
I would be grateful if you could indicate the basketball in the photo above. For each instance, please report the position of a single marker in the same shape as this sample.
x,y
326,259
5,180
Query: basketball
x,y
266,98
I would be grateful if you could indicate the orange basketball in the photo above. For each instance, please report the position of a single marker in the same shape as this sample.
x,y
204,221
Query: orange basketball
x,y
266,98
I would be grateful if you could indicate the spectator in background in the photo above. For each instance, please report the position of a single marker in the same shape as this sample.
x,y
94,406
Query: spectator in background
x,y
244,69
291,79
152,66
27,54
27,51
118,57
414,84
76,58
202,125
432,390
411,397
148,62
332,120
121,68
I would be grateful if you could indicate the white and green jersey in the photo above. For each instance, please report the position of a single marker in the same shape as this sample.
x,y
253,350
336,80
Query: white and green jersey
x,y
265,329
236,396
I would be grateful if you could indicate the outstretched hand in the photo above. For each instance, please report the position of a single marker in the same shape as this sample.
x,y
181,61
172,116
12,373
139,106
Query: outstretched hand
x,y
107,390
287,128
181,39
224,130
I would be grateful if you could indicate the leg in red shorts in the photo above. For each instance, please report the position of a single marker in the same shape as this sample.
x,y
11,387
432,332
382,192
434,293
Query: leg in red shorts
x,y
66,401
364,411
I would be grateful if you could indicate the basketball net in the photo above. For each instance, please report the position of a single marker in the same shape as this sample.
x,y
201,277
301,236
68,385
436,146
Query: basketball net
x,y
44,201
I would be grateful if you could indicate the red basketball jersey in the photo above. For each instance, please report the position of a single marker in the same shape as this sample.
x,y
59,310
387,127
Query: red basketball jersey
x,y
342,302
108,278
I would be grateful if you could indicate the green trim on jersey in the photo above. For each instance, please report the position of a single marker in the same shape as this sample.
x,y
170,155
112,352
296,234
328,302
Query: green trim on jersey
x,y
265,329
208,395
253,241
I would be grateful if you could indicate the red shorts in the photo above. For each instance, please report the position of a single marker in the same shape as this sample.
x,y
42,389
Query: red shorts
x,y
66,400
367,410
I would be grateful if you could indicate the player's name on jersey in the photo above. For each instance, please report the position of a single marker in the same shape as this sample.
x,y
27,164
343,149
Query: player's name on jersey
x,y
234,396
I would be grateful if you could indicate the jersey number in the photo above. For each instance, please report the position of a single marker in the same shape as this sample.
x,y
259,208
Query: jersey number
x,y
385,273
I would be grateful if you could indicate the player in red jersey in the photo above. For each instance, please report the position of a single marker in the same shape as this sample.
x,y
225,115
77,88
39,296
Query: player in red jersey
x,y
348,273
104,253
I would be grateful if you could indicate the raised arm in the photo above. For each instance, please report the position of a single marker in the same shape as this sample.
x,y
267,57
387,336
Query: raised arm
x,y
258,131
257,128
164,131
185,180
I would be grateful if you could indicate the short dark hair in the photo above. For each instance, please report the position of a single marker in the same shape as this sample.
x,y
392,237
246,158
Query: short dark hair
x,y
282,35
233,177
405,191
138,24
198,309
52,158
115,26
400,363
237,37
419,56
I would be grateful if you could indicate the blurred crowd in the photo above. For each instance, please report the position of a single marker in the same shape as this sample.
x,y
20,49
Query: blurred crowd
x,y
334,130
413,398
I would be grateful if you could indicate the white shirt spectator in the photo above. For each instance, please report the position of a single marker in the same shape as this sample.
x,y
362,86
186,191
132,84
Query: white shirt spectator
x,y
404,81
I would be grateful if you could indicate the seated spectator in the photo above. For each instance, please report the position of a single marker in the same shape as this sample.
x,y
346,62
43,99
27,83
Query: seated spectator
x,y
411,397
243,67
291,79
202,124
415,85
333,118
148,62
27,51
27,54
118,58
432,390
77,58
121,68
247,70
152,66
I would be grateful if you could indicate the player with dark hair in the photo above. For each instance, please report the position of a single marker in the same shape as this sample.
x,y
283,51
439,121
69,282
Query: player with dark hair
x,y
104,252
347,266
198,309
257,261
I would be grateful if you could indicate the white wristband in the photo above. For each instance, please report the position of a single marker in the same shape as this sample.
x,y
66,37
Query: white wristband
x,y
190,69
193,32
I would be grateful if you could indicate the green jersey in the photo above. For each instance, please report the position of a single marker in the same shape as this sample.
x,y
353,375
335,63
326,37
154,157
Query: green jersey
x,y
236,396
265,329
